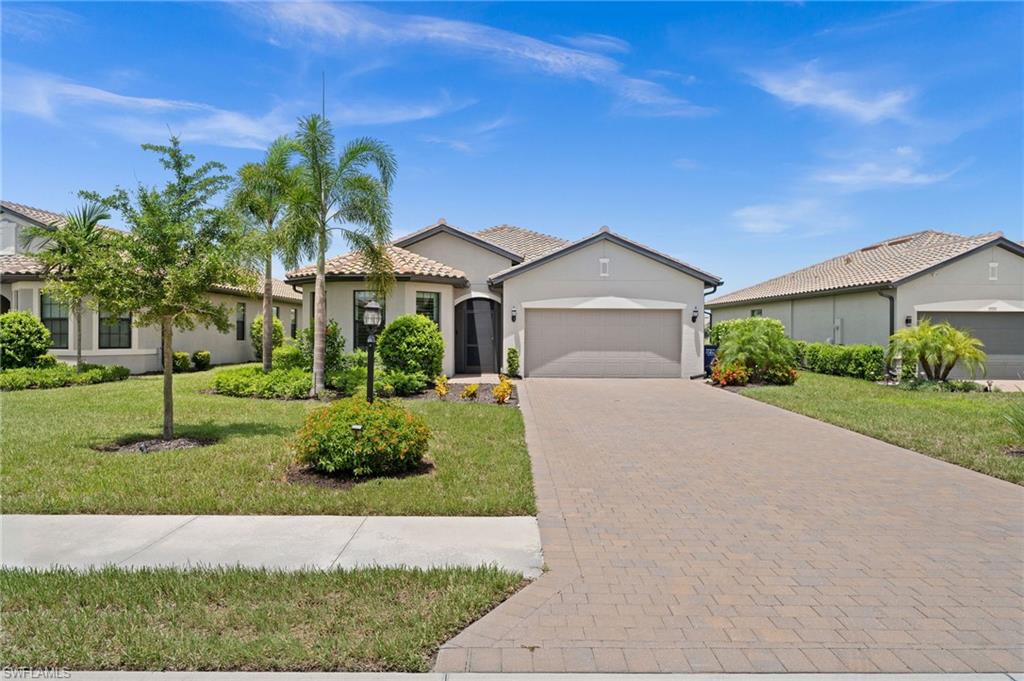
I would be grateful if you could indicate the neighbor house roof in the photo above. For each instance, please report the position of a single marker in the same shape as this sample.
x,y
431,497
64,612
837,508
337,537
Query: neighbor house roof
x,y
442,227
281,291
606,235
525,242
884,263
37,215
19,265
408,265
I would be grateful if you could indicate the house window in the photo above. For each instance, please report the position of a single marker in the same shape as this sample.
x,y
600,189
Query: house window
x,y
603,266
360,299
757,313
277,311
115,331
295,322
993,271
240,321
428,304
54,316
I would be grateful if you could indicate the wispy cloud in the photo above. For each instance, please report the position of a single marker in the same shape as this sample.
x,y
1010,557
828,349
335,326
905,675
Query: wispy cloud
x,y
899,167
36,22
472,140
808,216
597,42
808,86
333,25
56,99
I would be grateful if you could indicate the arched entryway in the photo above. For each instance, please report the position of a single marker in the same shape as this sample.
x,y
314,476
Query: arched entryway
x,y
5,304
477,336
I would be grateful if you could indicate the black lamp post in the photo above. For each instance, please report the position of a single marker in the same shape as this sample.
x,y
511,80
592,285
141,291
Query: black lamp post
x,y
371,318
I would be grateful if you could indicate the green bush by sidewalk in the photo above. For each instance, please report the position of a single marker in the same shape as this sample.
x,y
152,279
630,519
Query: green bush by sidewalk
x,y
856,361
250,381
59,376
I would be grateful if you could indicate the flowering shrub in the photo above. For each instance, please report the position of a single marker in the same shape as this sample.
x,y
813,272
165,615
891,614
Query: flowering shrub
x,y
387,440
759,345
733,374
469,392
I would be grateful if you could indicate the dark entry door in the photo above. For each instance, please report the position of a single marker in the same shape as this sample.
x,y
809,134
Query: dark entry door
x,y
476,336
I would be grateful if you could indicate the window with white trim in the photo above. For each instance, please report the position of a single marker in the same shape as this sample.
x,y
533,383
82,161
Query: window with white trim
x,y
115,331
54,316
240,321
428,304
604,265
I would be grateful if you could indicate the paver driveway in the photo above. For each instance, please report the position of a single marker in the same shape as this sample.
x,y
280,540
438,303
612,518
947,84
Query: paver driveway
x,y
692,529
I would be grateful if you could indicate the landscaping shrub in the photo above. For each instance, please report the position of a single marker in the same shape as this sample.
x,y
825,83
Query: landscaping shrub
x,y
59,376
925,385
250,381
256,335
23,340
288,356
201,360
938,348
182,362
356,358
469,392
386,383
404,383
719,330
46,361
858,361
734,374
333,348
441,386
412,343
512,361
391,440
503,391
760,346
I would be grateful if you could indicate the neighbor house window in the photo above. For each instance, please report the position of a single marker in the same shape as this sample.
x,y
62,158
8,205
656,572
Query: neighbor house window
x,y
361,298
295,322
428,304
603,266
115,330
54,316
277,311
756,313
240,321
993,271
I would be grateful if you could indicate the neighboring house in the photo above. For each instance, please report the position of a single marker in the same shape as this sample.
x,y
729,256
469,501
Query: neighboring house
x,y
119,341
973,282
600,306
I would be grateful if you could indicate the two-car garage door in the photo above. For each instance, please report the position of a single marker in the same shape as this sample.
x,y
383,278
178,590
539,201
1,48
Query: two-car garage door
x,y
603,343
1001,332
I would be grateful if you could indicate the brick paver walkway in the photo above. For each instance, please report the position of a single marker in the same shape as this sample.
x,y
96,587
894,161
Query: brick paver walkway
x,y
691,529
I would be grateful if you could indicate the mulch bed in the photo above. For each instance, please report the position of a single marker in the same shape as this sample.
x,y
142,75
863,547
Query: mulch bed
x,y
302,474
1015,452
484,394
152,445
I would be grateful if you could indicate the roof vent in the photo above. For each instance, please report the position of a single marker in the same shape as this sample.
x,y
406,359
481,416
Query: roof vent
x,y
604,229
897,242
441,221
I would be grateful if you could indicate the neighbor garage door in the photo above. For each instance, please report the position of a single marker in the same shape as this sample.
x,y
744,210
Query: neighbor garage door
x,y
603,343
1001,332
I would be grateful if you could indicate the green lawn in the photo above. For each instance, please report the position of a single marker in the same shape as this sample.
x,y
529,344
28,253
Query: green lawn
x,y
963,428
363,620
49,466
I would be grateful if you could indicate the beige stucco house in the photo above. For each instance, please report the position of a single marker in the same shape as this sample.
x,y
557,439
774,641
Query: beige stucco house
x,y
973,282
119,341
600,306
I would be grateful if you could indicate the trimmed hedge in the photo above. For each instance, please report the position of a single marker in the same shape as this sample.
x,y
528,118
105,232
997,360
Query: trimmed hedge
x,y
858,361
412,343
61,375
256,335
386,382
181,362
23,340
201,360
390,439
250,381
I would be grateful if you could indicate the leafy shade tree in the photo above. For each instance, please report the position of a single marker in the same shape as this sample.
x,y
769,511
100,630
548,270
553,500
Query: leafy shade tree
x,y
261,196
178,247
70,254
938,347
339,190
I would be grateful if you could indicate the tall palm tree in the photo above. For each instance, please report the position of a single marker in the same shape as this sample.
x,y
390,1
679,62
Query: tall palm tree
x,y
67,251
261,197
339,191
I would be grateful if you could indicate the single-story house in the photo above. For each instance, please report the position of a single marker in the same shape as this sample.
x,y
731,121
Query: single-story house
x,y
600,306
973,282
121,342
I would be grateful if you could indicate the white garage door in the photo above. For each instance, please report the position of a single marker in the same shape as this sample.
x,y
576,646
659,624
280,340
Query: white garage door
x,y
603,343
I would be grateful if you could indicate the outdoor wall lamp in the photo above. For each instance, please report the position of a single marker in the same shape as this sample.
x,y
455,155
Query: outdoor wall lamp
x,y
371,318
514,313
693,317
908,320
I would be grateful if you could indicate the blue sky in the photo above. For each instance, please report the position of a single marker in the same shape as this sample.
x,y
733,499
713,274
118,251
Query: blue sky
x,y
747,139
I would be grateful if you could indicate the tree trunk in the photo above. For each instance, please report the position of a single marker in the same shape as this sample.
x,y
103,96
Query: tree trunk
x,y
945,370
927,367
78,336
268,314
167,336
319,319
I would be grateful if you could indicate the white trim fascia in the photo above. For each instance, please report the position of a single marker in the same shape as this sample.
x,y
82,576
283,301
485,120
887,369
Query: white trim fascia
x,y
477,294
106,353
603,303
984,305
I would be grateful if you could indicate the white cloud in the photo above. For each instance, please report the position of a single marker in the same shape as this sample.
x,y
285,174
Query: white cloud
x,y
472,140
809,86
597,42
36,22
809,216
341,25
870,175
54,98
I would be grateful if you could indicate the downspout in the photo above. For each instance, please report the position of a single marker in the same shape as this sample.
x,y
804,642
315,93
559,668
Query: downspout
x,y
892,310
710,313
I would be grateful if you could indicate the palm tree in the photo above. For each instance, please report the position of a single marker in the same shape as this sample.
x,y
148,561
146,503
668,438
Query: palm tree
x,y
67,251
938,347
342,191
261,197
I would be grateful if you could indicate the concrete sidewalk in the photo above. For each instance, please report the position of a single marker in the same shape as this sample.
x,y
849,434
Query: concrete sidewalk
x,y
463,676
279,542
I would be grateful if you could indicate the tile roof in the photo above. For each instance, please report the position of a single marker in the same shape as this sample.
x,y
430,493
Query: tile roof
x,y
525,242
282,291
406,263
38,214
881,263
19,264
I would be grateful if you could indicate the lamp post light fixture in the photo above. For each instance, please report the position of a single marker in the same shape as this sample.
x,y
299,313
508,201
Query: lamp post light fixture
x,y
371,319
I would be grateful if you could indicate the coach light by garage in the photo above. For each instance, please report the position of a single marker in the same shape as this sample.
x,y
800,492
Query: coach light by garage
x,y
371,319
513,313
693,317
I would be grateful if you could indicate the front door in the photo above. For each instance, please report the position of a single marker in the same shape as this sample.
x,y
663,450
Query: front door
x,y
476,336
